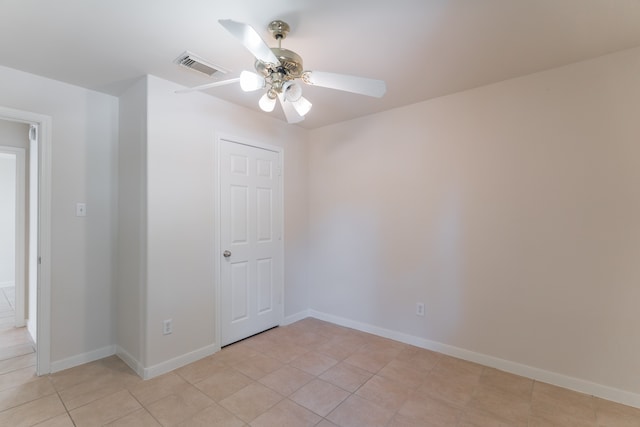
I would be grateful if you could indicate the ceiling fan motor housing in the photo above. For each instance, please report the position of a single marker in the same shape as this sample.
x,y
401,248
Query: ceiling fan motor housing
x,y
290,68
279,29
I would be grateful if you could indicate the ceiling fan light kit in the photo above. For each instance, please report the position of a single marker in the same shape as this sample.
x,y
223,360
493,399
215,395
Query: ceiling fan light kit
x,y
268,101
280,70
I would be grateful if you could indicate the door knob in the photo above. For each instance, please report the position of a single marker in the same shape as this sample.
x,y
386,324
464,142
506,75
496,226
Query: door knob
x,y
226,254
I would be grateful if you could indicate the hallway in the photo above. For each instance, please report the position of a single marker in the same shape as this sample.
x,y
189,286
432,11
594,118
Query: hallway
x,y
17,351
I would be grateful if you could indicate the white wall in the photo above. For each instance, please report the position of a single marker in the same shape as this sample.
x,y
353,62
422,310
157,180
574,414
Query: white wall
x,y
131,249
180,204
84,140
14,134
512,211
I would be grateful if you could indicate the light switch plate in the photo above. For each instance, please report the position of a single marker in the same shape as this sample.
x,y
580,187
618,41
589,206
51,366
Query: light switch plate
x,y
81,209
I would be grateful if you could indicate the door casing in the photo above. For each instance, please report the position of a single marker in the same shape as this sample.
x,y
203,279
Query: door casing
x,y
44,124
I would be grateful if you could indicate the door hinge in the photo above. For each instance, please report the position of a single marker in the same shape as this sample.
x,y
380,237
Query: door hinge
x,y
39,260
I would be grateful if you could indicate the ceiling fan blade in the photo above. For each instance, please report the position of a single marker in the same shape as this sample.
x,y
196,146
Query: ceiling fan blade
x,y
251,40
289,111
209,85
250,82
354,84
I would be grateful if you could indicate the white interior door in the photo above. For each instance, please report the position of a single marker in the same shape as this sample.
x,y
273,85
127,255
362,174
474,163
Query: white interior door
x,y
251,265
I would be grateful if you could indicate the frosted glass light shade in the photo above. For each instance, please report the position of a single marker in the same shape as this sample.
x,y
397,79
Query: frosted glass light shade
x,y
292,91
266,103
251,81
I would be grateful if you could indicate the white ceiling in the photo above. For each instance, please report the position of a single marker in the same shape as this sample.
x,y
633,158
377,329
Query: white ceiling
x,y
421,48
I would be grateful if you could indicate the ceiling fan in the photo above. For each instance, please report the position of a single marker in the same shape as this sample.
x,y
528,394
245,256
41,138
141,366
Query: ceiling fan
x,y
279,71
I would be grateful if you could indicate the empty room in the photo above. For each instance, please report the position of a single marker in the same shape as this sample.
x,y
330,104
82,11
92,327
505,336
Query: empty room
x,y
320,213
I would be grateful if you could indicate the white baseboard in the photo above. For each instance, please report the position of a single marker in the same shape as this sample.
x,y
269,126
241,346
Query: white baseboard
x,y
178,362
295,317
560,380
131,361
80,359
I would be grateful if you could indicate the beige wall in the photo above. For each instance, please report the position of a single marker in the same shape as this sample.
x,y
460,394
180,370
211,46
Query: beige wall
x,y
512,211
84,139
181,187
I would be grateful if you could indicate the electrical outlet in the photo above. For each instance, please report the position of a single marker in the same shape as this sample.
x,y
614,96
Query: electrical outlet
x,y
419,309
167,327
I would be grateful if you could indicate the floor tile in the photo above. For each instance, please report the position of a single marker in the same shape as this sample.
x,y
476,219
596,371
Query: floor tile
x,y
24,393
336,348
286,380
139,418
430,411
200,370
358,412
502,404
295,375
286,352
213,416
15,336
234,354
251,401
319,396
76,375
16,350
369,360
105,410
286,413
346,376
454,389
17,362
561,406
610,414
33,412
476,418
458,367
404,372
313,363
89,391
258,366
385,392
510,383
18,377
223,384
400,420
554,418
152,390
307,339
63,420
184,402
326,423
420,359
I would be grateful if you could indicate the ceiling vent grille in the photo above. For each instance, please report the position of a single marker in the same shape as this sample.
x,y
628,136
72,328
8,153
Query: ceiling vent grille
x,y
194,62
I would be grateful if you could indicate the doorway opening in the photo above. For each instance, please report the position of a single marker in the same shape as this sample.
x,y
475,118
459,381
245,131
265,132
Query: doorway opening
x,y
25,166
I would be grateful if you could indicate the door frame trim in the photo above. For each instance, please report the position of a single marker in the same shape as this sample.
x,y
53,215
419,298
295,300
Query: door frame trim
x,y
217,252
43,333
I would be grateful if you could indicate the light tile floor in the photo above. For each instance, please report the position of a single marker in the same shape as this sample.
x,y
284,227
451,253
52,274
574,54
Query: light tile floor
x,y
310,373
16,348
